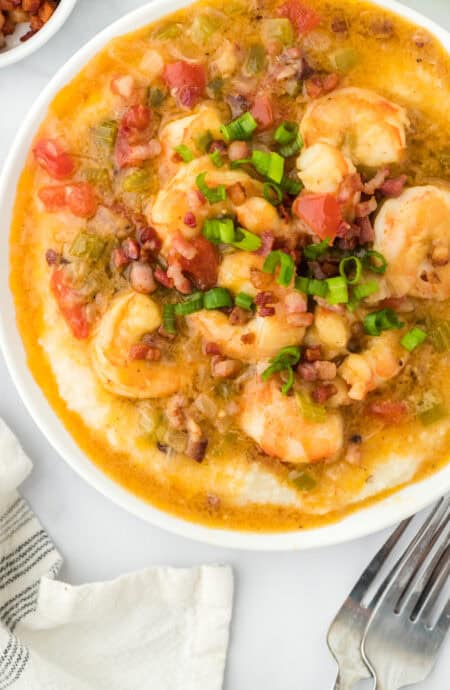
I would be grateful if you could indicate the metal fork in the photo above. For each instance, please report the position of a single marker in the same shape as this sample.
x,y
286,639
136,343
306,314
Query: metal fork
x,y
347,631
402,641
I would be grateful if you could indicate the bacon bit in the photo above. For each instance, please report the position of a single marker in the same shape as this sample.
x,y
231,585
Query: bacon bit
x,y
162,277
248,338
190,220
335,308
52,258
144,351
195,199
267,239
393,187
131,249
196,448
238,150
365,208
319,85
175,411
119,258
300,320
392,411
313,353
323,392
203,267
376,182
367,233
141,278
262,111
326,371
239,316
224,368
400,304
306,371
149,237
123,86
238,104
339,25
179,280
211,349
183,247
218,145
296,303
237,194
349,187
266,311
262,299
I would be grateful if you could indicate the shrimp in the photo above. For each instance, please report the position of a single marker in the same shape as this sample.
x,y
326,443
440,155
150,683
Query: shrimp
x,y
381,361
323,167
258,215
166,213
128,317
331,331
274,421
413,233
260,338
369,129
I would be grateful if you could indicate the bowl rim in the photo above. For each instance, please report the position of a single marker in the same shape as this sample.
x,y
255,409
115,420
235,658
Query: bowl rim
x,y
23,50
360,523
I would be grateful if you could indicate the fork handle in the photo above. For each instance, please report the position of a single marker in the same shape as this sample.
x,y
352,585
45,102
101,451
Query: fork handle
x,y
344,682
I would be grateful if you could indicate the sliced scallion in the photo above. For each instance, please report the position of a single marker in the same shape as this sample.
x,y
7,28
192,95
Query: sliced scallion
x,y
290,186
286,132
374,261
272,193
217,298
313,251
212,194
311,286
169,320
413,339
240,129
244,301
292,148
350,269
337,290
271,165
185,153
364,290
285,263
247,241
383,320
192,304
216,229
217,159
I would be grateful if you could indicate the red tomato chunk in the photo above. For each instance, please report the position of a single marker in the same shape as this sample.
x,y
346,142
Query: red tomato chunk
x,y
53,159
79,198
70,305
302,17
187,80
321,212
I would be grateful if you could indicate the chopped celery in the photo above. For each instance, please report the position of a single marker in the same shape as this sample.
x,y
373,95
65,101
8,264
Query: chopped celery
x,y
138,181
170,30
98,177
203,27
277,30
106,133
311,411
431,408
304,481
156,97
256,58
345,60
88,247
439,336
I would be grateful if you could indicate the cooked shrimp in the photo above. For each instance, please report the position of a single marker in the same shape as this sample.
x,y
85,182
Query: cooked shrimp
x,y
129,316
381,361
322,168
258,215
368,128
168,210
263,336
413,233
274,421
331,331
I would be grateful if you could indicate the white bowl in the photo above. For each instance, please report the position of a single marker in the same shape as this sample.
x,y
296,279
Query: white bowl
x,y
15,50
380,515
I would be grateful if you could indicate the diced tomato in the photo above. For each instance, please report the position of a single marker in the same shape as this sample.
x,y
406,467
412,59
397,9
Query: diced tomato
x,y
137,117
188,80
78,197
303,18
204,266
70,305
123,85
81,199
262,111
51,156
321,212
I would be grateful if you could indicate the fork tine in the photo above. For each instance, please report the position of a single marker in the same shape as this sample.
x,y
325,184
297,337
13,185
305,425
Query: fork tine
x,y
400,576
430,595
443,622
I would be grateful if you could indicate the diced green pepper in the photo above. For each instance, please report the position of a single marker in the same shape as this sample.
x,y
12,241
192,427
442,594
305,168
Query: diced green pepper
x,y
256,58
138,181
345,60
87,246
106,133
277,30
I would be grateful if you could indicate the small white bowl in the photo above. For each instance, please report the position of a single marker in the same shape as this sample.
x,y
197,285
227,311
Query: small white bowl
x,y
375,517
15,50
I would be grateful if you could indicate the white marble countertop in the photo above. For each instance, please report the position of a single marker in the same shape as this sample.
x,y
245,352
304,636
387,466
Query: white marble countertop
x,y
284,602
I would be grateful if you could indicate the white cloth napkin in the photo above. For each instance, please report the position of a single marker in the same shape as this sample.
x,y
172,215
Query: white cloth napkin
x,y
157,629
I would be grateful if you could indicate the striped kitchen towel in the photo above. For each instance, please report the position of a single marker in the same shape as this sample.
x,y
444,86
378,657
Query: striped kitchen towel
x,y
157,629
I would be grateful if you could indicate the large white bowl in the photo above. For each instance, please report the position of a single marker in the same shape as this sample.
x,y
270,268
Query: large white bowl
x,y
376,517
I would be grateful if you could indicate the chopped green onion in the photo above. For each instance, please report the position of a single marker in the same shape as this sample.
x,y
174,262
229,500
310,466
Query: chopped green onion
x,y
256,58
337,290
311,286
217,298
413,339
185,153
270,165
244,301
277,30
106,133
192,304
272,193
345,59
364,290
286,132
286,387
286,264
219,230
374,261
247,241
212,194
138,181
204,140
156,97
313,251
290,186
439,336
311,411
383,320
240,129
355,270
292,148
169,320
88,247
217,159
304,481
284,360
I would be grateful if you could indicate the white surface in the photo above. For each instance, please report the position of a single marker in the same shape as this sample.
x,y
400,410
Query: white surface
x,y
284,602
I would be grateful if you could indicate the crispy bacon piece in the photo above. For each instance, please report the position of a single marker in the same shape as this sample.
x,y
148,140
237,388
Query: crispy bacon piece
x,y
321,84
391,411
393,187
